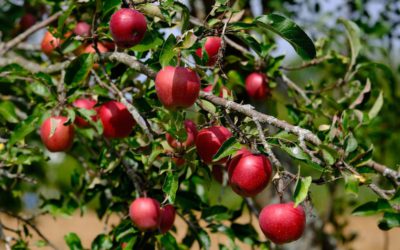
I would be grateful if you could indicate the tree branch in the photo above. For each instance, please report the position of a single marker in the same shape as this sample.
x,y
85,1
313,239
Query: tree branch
x,y
18,39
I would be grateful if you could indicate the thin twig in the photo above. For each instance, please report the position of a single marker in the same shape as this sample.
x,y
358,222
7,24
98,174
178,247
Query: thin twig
x,y
31,225
267,147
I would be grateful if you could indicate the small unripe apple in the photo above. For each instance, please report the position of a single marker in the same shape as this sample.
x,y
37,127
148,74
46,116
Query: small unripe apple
x,y
127,27
212,46
116,119
145,213
257,86
209,140
56,136
191,132
82,29
49,43
167,218
85,103
177,87
249,174
282,223
27,21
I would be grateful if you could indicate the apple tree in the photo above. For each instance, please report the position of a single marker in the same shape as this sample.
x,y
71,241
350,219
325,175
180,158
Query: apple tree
x,y
191,109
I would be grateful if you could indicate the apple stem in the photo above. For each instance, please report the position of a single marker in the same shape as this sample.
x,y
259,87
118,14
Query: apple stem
x,y
178,64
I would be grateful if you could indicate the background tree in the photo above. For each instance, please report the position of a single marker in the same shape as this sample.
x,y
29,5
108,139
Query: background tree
x,y
139,141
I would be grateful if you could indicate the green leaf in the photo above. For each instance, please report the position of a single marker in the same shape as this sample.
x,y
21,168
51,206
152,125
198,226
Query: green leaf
x,y
215,213
289,31
295,152
188,40
228,148
168,242
102,242
168,53
372,207
353,34
171,185
204,239
73,241
250,41
351,143
301,190
7,111
352,183
109,6
389,221
23,129
151,40
185,12
376,107
79,69
62,19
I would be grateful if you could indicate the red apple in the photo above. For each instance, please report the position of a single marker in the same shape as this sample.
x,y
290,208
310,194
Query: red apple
x,y
179,161
249,174
85,103
177,87
90,48
282,223
218,172
82,29
145,213
55,135
116,119
127,27
27,21
209,140
49,43
257,86
167,218
212,46
191,132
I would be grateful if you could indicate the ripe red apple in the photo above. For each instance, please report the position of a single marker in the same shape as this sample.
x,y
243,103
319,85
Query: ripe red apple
x,y
282,223
49,43
209,140
191,132
116,119
257,86
127,27
85,103
82,29
145,213
27,21
167,218
55,135
249,173
212,45
177,87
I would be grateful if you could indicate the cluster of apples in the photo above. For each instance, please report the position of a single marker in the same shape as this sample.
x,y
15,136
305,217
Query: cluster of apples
x,y
147,215
50,42
57,135
178,88
248,175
